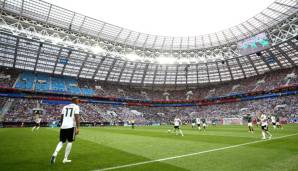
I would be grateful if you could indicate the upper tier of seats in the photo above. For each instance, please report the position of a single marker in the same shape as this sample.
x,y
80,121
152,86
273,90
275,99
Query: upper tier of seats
x,y
50,83
45,82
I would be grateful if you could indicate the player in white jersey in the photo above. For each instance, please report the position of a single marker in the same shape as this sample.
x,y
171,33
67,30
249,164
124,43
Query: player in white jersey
x,y
264,125
70,123
177,125
273,121
198,121
37,119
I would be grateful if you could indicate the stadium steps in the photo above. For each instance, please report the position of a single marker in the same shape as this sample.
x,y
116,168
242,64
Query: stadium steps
x,y
7,106
82,118
14,84
50,83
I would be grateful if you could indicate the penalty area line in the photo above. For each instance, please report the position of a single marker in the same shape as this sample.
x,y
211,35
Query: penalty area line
x,y
192,154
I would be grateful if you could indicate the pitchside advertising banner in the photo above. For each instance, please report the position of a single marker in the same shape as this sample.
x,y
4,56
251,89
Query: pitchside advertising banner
x,y
232,121
254,44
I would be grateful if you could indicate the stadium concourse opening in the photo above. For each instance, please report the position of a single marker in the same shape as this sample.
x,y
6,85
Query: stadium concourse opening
x,y
78,93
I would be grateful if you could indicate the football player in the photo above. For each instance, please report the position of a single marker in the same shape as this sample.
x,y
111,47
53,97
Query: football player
x,y
70,120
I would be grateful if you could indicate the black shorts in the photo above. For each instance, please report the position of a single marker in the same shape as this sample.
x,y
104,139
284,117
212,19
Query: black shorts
x,y
67,134
198,125
37,124
273,123
176,127
265,127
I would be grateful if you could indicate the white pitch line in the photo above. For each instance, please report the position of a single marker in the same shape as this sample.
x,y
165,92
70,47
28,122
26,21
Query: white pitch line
x,y
191,154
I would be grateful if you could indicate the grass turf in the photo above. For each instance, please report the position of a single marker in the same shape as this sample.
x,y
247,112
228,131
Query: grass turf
x,y
97,148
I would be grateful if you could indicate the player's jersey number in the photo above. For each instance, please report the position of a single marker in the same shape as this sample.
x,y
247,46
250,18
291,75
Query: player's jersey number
x,y
68,112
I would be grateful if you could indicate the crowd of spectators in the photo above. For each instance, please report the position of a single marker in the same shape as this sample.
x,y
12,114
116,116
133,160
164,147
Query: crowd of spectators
x,y
21,109
287,107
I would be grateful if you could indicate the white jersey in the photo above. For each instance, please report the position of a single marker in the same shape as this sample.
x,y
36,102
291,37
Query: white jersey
x,y
177,122
264,120
69,112
198,120
273,119
38,120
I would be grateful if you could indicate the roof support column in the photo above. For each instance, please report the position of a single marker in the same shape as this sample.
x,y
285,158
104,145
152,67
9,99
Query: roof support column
x,y
98,66
121,72
145,72
218,71
133,72
68,56
110,69
83,65
229,68
253,65
57,60
16,53
237,59
37,57
154,76
208,72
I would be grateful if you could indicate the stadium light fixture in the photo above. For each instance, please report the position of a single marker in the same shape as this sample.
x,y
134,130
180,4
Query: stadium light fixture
x,y
165,60
97,49
132,56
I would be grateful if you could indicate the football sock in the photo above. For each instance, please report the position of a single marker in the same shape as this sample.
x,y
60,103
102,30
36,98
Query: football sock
x,y
181,132
67,150
58,148
263,134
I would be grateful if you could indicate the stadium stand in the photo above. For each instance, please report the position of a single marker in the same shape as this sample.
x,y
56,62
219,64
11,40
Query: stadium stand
x,y
21,109
47,83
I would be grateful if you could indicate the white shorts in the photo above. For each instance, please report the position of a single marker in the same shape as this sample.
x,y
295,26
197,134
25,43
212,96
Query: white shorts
x,y
249,124
193,124
204,125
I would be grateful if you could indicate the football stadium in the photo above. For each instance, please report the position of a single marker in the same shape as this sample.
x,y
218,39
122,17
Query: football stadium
x,y
80,92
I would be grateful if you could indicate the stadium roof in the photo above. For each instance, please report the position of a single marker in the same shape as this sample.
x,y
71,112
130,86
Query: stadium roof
x,y
168,17
52,14
28,29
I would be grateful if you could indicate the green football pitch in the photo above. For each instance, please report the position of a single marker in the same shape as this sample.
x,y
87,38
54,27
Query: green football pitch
x,y
152,148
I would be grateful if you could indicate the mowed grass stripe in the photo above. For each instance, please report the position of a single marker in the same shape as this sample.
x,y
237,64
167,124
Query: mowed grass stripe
x,y
210,136
192,154
234,131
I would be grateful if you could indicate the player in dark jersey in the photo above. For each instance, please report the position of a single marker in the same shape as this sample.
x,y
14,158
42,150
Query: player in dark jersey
x,y
249,123
193,123
203,120
278,124
258,121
